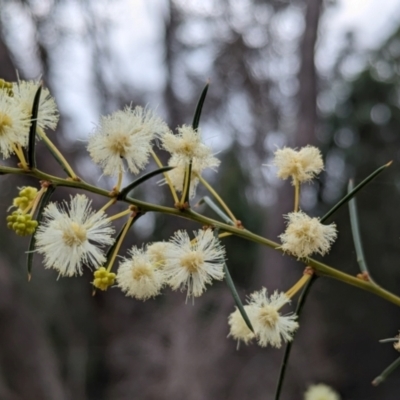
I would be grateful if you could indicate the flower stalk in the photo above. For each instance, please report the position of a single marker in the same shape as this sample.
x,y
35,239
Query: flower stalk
x,y
57,154
218,198
167,178
127,226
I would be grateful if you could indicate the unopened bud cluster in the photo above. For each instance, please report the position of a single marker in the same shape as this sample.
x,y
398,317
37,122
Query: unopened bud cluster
x,y
103,279
25,197
22,224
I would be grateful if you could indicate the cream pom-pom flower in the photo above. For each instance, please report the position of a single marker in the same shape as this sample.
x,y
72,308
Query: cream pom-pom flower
x,y
177,175
186,145
125,135
157,252
321,392
24,93
269,325
305,235
138,276
301,166
238,327
14,124
194,263
66,237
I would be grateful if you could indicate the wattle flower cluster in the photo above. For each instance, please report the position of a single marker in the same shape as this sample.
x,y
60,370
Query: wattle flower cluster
x,y
180,263
304,235
186,147
270,327
73,235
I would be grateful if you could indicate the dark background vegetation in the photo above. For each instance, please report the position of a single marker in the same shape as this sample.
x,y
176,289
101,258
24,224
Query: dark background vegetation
x,y
58,342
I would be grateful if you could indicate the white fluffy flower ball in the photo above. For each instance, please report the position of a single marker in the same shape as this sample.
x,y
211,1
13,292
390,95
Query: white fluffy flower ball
x,y
71,236
238,327
194,263
305,235
14,124
138,276
125,135
24,93
269,325
301,166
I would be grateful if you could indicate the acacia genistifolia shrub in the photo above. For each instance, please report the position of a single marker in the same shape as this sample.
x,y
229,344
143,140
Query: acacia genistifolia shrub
x,y
72,235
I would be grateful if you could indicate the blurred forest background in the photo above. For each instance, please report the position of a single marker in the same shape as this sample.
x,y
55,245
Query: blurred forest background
x,y
57,342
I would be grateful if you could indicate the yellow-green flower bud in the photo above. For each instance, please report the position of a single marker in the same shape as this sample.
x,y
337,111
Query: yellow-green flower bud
x,y
22,224
26,195
103,279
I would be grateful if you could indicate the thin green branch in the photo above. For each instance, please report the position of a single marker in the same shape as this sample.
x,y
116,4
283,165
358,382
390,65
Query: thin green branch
x,y
320,268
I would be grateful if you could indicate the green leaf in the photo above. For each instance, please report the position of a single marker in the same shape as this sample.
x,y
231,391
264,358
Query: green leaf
x,y
199,107
393,366
42,205
389,340
125,191
350,195
300,304
216,209
32,129
186,183
355,230
236,297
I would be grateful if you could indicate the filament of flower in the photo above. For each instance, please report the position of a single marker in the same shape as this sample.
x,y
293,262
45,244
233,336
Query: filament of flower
x,y
141,271
192,261
76,236
5,122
